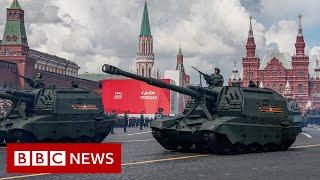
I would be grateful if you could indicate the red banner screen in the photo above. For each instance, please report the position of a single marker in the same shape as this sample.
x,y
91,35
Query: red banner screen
x,y
134,96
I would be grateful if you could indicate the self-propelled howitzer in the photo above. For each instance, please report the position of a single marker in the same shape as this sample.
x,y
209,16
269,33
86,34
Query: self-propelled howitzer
x,y
53,115
223,119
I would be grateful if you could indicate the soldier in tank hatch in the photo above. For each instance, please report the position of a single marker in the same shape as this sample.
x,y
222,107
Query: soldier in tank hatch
x,y
217,78
38,82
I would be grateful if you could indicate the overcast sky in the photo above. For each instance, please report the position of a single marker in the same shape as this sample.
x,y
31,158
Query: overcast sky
x,y
211,32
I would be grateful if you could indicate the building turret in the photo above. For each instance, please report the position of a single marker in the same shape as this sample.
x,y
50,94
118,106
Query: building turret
x,y
15,32
180,65
250,62
14,46
251,45
300,68
235,78
261,85
288,91
145,59
300,44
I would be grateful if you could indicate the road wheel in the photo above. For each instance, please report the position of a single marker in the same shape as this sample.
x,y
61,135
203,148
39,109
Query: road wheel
x,y
20,136
164,140
285,146
274,147
200,148
254,148
219,144
240,148
99,138
266,147
184,148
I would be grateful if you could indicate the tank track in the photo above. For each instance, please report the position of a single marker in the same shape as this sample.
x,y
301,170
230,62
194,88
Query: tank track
x,y
210,142
20,136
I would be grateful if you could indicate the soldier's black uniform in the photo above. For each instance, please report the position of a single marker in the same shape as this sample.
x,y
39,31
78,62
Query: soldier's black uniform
x,y
126,121
141,121
215,79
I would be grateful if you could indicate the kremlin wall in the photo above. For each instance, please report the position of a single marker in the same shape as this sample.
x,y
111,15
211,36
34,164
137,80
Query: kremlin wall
x,y
17,58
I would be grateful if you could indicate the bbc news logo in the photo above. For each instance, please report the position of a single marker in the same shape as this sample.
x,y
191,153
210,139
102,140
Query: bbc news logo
x,y
64,158
40,158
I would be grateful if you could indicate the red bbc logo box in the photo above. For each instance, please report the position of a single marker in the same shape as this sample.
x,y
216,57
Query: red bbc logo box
x,y
64,158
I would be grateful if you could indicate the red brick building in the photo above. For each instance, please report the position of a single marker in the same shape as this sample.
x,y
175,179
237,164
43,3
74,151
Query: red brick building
x,y
276,73
17,58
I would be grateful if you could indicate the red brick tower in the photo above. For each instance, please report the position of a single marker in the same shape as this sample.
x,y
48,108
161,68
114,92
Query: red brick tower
x,y
300,69
184,79
145,59
14,46
180,65
250,62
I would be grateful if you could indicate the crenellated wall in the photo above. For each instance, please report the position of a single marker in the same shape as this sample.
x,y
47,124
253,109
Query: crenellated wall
x,y
64,81
8,74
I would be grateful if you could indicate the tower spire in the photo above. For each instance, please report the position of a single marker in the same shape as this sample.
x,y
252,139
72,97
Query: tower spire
x,y
250,62
15,5
145,25
145,59
250,27
300,31
251,46
15,32
287,91
300,44
180,65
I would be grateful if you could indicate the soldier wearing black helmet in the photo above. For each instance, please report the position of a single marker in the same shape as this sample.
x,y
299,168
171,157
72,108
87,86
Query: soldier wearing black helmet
x,y
38,82
216,78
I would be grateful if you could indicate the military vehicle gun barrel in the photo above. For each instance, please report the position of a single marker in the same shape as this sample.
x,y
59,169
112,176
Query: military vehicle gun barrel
x,y
206,76
16,95
193,92
29,81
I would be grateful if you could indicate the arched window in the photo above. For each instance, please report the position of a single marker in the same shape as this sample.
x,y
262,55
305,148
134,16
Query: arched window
x,y
8,38
142,71
300,88
149,72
